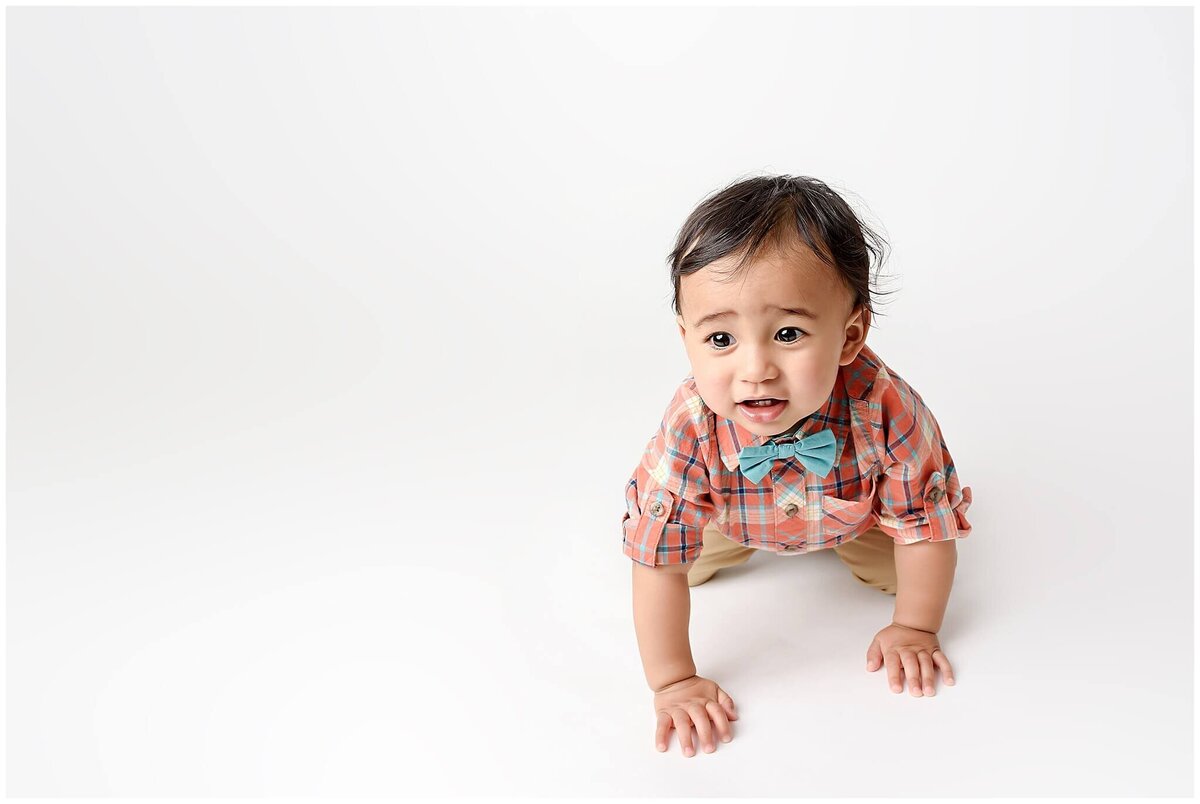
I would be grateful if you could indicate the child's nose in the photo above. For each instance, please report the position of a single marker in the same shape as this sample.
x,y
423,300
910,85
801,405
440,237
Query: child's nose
x,y
758,365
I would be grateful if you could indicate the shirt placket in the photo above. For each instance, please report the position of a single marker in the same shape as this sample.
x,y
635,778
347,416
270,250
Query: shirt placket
x,y
792,510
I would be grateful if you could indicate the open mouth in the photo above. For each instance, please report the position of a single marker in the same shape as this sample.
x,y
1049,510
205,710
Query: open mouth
x,y
762,410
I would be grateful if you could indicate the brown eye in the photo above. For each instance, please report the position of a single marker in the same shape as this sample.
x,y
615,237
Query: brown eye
x,y
718,335
798,332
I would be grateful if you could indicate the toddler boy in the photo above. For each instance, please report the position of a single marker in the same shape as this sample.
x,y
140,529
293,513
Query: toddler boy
x,y
789,435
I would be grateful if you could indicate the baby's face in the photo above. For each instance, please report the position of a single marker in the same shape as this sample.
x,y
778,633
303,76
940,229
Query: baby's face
x,y
759,351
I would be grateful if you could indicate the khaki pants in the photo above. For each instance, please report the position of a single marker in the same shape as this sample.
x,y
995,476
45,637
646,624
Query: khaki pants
x,y
871,558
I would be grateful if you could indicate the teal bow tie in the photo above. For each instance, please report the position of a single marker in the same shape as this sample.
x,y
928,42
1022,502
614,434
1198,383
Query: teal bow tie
x,y
814,451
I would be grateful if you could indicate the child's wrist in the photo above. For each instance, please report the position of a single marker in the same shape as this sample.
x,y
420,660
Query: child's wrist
x,y
913,628
663,679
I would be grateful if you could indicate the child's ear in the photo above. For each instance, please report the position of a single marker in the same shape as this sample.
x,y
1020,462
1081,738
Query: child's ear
x,y
679,323
856,334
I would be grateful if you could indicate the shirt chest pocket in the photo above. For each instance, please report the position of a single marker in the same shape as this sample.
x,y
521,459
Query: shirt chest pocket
x,y
843,518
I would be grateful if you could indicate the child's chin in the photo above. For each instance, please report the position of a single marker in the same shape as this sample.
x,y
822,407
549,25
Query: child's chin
x,y
777,428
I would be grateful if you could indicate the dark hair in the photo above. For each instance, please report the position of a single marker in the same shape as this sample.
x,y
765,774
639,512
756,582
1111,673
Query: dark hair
x,y
753,214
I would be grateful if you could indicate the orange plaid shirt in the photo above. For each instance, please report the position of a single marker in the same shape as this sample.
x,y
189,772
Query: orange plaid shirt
x,y
891,470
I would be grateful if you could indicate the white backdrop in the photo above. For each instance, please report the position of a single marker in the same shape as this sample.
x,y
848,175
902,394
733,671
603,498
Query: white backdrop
x,y
334,336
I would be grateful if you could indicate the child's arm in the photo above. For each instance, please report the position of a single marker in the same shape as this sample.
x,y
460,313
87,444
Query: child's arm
x,y
924,576
669,502
921,504
662,606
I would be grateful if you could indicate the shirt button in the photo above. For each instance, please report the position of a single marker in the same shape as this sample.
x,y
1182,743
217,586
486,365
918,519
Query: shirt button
x,y
791,509
934,495
656,508
792,548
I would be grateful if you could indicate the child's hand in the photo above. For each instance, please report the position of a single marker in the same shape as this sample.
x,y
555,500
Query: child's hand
x,y
916,651
693,700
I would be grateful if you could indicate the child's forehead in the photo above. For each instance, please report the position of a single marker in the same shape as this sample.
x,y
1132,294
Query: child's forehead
x,y
771,279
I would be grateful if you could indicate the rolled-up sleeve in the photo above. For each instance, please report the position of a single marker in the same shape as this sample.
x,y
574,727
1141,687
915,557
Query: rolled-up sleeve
x,y
919,496
667,498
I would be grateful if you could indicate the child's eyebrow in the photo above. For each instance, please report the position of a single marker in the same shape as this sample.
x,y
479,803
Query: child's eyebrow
x,y
800,311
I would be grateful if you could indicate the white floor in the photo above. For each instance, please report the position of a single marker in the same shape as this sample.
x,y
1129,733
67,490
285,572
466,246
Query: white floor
x,y
342,662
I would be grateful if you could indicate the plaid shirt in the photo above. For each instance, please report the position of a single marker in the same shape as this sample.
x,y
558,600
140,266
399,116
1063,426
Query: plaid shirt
x,y
891,470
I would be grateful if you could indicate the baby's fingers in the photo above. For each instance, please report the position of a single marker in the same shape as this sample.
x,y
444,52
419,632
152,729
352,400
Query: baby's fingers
x,y
720,721
662,731
913,671
683,730
891,660
943,663
699,713
727,704
926,671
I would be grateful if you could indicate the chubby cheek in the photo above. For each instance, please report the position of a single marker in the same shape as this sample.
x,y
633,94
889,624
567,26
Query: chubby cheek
x,y
714,381
716,389
812,384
